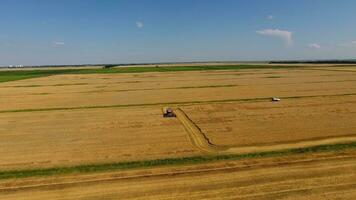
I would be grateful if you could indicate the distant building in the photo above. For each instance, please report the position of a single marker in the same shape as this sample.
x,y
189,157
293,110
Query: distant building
x,y
15,66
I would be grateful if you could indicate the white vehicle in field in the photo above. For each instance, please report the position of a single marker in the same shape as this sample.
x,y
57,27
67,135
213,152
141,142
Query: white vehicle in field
x,y
275,99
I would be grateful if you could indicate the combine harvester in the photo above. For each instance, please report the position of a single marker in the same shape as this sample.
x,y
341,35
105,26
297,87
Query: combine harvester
x,y
168,112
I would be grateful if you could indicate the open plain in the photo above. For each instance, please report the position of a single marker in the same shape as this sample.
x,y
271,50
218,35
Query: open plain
x,y
66,123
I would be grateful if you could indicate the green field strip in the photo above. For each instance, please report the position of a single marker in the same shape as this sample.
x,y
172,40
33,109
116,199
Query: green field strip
x,y
13,75
96,168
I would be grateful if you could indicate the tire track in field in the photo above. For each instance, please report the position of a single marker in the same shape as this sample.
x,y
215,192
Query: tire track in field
x,y
197,137
201,141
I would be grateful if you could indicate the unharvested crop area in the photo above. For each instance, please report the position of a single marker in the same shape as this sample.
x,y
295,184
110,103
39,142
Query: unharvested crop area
x,y
87,126
291,120
87,90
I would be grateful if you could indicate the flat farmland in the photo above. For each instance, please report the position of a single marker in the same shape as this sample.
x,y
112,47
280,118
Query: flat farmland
x,y
102,136
316,176
62,138
262,123
67,91
99,118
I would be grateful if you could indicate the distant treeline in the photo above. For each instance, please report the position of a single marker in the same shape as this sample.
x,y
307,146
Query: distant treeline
x,y
107,65
314,62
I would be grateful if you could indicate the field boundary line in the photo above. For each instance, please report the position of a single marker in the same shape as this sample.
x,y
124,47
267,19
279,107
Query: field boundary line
x,y
331,70
172,103
292,145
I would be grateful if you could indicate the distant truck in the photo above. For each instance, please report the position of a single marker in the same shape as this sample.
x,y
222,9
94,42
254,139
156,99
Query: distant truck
x,y
275,99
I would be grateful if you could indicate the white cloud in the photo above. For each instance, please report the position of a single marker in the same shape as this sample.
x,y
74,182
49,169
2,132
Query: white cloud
x,y
285,35
270,17
314,46
350,44
57,44
139,24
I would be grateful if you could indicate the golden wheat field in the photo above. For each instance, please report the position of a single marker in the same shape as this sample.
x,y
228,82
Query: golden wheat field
x,y
313,176
66,91
92,119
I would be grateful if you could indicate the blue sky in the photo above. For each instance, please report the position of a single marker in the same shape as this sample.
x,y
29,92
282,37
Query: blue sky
x,y
39,32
